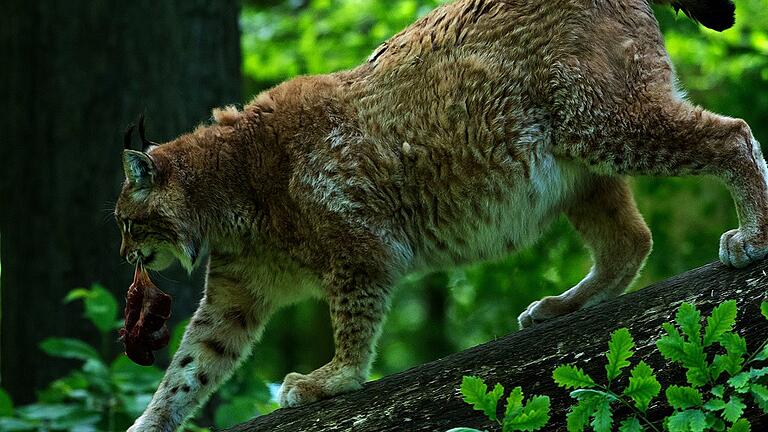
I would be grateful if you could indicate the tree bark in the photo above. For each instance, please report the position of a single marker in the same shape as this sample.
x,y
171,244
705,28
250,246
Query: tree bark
x,y
427,398
74,75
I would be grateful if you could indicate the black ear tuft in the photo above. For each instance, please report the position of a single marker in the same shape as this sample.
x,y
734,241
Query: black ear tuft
x,y
715,14
139,169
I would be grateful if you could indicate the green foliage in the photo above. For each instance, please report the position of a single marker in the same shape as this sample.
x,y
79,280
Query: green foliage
x,y
643,386
619,350
595,400
572,377
518,415
707,403
100,395
69,348
100,306
476,394
682,398
6,404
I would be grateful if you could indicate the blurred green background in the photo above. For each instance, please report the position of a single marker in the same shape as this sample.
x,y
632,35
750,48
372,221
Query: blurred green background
x,y
434,314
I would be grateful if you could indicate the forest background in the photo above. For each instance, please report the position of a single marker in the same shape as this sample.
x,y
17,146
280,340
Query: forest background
x,y
79,72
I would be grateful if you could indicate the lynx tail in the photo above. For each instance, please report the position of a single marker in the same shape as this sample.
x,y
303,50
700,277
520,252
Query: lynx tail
x,y
715,14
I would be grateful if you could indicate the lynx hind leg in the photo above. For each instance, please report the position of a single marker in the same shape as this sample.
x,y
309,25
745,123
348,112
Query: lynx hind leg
x,y
607,219
669,137
748,182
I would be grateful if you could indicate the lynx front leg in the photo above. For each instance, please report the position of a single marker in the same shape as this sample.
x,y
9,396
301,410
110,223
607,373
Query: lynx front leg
x,y
219,335
358,303
608,220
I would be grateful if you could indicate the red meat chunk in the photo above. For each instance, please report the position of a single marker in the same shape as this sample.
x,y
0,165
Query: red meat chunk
x,y
147,309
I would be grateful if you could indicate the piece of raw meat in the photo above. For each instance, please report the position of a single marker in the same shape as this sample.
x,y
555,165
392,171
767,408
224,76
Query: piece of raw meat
x,y
147,309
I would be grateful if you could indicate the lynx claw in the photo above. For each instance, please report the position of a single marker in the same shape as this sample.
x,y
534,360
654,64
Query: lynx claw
x,y
738,251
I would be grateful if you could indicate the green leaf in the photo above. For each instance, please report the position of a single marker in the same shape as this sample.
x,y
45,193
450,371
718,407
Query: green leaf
x,y
101,308
760,393
572,377
689,320
740,382
682,398
718,390
129,377
688,420
578,416
741,425
619,351
69,348
697,420
671,346
759,390
6,404
534,416
514,402
695,361
733,343
764,309
715,404
721,320
602,420
475,393
75,294
643,386
733,409
46,411
631,424
763,354
757,373
10,424
715,423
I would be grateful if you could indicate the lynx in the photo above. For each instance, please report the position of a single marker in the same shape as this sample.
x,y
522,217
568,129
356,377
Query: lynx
x,y
459,139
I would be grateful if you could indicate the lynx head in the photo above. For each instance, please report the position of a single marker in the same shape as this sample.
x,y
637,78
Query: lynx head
x,y
153,210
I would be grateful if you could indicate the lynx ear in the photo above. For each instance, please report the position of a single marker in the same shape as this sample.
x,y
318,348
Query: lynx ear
x,y
139,169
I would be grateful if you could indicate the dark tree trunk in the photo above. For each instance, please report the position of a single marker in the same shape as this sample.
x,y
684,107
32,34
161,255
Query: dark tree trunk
x,y
74,74
427,398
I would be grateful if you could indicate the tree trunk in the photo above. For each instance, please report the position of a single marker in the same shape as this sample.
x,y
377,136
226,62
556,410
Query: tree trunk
x,y
74,75
427,398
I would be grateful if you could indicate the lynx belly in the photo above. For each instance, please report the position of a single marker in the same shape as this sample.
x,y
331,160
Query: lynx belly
x,y
491,226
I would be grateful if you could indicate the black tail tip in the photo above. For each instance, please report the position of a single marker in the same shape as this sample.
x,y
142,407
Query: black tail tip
x,y
718,15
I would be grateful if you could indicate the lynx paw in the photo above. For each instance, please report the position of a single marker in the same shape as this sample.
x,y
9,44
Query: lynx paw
x,y
542,310
298,389
739,250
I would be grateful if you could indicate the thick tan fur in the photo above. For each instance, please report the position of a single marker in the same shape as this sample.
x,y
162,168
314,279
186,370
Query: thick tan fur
x,y
460,139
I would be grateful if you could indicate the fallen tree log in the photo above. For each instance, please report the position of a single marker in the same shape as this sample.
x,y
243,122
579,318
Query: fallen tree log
x,y
427,398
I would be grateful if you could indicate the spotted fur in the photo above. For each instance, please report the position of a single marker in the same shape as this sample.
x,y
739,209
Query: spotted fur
x,y
460,139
